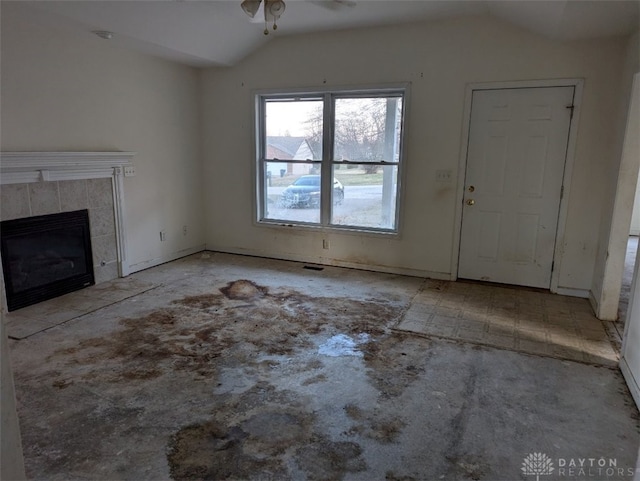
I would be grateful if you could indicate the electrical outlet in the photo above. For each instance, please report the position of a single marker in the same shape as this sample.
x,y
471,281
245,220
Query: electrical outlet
x,y
163,236
325,243
443,175
129,171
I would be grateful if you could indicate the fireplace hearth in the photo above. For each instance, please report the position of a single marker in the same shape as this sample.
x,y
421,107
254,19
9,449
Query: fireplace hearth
x,y
45,256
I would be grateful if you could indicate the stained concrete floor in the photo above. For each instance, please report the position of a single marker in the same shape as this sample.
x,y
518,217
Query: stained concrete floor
x,y
240,368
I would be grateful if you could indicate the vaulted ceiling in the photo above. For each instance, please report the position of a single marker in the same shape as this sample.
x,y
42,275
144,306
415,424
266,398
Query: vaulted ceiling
x,y
210,33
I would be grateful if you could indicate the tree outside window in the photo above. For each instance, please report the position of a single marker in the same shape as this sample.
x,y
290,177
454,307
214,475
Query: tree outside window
x,y
331,159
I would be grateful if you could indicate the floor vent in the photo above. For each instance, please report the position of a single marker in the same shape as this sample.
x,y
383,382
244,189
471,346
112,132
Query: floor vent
x,y
314,268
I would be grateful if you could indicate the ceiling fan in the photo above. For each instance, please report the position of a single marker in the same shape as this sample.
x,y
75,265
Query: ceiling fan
x,y
273,9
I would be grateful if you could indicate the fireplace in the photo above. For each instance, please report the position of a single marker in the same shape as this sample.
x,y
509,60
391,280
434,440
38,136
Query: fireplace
x,y
36,184
45,256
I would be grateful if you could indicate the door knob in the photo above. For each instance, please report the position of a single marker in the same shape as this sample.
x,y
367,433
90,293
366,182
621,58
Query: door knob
x,y
471,202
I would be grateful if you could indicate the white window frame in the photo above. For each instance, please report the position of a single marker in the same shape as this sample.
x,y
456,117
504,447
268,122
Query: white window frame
x,y
328,95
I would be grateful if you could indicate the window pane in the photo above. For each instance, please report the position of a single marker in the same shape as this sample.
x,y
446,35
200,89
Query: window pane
x,y
292,192
368,129
365,196
366,132
294,129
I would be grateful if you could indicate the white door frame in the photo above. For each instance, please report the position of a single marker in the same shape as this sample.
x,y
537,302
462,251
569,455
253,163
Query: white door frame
x,y
568,168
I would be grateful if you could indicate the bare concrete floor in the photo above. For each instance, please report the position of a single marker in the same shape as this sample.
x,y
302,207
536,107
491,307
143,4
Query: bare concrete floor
x,y
237,368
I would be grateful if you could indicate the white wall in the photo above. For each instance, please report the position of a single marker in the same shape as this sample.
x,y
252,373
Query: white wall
x,y
630,361
439,59
619,183
66,92
631,67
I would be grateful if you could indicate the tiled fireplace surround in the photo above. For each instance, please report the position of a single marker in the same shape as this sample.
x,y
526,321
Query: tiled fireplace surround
x,y
39,183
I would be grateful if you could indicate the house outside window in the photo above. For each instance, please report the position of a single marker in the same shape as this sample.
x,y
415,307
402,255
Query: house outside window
x,y
330,159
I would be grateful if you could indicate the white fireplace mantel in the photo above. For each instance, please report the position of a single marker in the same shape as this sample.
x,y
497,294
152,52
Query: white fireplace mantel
x,y
27,167
30,167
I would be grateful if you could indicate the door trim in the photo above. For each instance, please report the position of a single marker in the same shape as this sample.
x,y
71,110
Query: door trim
x,y
578,84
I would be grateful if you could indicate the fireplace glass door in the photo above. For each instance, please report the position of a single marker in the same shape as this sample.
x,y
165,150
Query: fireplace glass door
x,y
45,256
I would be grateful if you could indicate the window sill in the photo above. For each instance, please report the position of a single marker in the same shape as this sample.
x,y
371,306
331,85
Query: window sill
x,y
347,230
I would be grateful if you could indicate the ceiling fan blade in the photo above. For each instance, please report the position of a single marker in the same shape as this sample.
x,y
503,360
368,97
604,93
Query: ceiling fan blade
x,y
250,7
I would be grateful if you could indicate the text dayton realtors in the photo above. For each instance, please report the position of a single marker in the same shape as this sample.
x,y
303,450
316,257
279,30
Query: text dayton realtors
x,y
592,467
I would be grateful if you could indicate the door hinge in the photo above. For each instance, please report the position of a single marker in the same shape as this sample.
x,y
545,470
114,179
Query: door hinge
x,y
553,264
561,192
571,107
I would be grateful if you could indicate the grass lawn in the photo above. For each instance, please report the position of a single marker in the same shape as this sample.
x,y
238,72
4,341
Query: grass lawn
x,y
358,177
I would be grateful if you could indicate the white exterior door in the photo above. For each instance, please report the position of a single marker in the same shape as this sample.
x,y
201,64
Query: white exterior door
x,y
515,164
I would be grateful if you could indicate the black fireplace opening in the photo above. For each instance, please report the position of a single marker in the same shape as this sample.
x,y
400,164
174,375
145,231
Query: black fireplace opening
x,y
45,256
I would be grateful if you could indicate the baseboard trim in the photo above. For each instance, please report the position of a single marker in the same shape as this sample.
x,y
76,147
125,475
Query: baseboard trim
x,y
444,276
156,261
631,381
572,292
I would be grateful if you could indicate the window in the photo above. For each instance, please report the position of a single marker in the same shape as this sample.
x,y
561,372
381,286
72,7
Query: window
x,y
330,159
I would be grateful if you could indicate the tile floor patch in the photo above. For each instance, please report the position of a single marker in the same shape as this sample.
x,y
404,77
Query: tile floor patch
x,y
533,322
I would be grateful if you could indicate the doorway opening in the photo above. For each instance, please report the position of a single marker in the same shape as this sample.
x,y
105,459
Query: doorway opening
x,y
627,279
618,325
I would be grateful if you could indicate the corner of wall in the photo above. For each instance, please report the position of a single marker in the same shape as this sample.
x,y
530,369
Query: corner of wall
x,y
616,215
